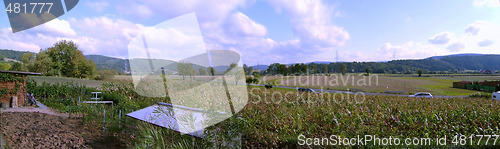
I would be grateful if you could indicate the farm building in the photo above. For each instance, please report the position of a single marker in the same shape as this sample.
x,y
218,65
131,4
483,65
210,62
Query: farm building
x,y
489,86
461,84
13,88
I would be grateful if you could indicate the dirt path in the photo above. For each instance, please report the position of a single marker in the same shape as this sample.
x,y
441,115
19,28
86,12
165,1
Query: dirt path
x,y
39,110
45,128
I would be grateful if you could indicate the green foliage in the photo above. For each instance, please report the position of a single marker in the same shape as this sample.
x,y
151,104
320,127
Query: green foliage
x,y
184,69
277,68
58,90
7,77
16,67
16,55
202,71
211,70
4,66
343,69
106,74
481,95
69,61
29,61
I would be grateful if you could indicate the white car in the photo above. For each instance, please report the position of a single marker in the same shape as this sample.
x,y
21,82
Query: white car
x,y
422,94
496,95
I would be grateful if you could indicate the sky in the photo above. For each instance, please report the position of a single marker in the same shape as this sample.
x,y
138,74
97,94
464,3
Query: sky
x,y
282,31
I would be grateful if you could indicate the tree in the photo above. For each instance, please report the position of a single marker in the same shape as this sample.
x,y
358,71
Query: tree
x,y
202,71
67,60
246,69
4,66
29,62
250,70
343,68
367,71
314,69
192,73
325,68
184,69
231,66
419,72
43,63
211,70
16,67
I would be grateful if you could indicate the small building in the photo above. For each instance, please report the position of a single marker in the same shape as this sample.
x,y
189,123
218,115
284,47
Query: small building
x,y
490,83
461,84
13,87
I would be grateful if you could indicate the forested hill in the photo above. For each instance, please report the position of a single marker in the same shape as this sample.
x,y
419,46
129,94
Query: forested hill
x,y
16,55
111,63
442,63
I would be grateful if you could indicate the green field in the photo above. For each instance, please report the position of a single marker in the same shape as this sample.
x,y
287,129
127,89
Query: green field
x,y
437,85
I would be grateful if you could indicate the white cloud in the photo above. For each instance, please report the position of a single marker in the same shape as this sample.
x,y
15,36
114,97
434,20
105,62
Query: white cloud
x,y
36,38
478,37
456,47
473,29
485,43
222,27
311,21
103,35
409,50
240,24
488,3
441,38
56,27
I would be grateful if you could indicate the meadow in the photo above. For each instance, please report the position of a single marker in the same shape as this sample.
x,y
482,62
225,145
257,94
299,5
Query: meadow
x,y
375,83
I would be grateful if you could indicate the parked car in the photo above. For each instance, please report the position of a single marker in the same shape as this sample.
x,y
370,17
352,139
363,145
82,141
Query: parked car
x,y
268,86
422,94
307,90
496,95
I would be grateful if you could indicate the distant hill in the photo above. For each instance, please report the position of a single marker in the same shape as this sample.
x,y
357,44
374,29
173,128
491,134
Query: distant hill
x,y
104,62
464,54
457,62
16,55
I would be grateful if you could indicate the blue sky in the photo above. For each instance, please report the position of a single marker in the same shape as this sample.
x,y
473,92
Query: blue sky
x,y
265,32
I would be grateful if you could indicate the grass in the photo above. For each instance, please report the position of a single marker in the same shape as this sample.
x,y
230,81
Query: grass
x,y
49,79
437,85
440,86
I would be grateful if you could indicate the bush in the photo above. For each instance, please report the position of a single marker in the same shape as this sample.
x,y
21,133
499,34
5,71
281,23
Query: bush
x,y
115,97
480,95
106,74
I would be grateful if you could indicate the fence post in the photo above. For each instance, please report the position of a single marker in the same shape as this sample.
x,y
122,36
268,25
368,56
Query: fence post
x,y
104,124
69,111
119,118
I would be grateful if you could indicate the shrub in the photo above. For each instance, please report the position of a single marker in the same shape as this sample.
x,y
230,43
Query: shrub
x,y
480,95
